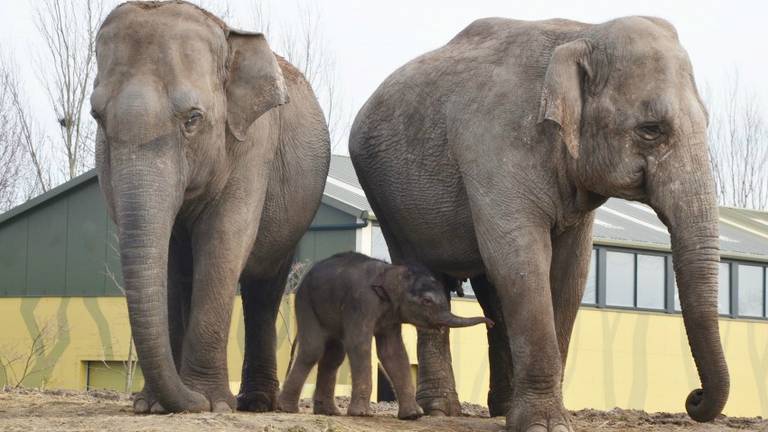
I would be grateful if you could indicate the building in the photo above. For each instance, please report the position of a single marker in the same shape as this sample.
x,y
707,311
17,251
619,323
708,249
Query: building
x,y
63,317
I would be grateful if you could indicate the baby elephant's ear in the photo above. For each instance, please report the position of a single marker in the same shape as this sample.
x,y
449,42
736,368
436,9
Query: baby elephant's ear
x,y
255,82
390,282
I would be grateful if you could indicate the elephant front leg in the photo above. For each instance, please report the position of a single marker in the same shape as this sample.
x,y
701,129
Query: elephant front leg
x,y
358,346
261,300
436,390
570,266
179,292
220,248
518,265
499,352
391,352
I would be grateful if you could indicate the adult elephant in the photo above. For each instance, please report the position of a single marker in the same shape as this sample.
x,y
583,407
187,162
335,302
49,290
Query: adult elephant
x,y
486,159
212,177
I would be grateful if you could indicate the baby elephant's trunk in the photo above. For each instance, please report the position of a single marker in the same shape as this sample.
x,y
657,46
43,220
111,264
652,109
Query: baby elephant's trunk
x,y
450,320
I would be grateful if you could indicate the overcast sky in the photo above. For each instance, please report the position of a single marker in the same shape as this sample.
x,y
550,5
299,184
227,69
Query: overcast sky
x,y
370,39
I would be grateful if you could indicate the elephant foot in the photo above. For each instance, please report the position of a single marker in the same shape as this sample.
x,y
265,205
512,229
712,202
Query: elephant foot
x,y
325,407
257,401
359,408
219,397
409,411
538,416
445,406
145,402
499,404
287,405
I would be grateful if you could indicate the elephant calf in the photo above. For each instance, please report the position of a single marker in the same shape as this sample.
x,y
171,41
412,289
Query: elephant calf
x,y
341,304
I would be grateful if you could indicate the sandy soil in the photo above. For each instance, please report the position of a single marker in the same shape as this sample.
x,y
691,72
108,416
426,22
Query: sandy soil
x,y
31,410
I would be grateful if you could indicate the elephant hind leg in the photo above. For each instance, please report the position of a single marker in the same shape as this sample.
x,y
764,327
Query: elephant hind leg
x,y
310,350
261,302
324,401
499,353
436,390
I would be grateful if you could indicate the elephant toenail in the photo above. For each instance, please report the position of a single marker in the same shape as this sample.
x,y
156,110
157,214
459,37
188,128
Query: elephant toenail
x,y
140,406
158,409
537,428
561,428
221,407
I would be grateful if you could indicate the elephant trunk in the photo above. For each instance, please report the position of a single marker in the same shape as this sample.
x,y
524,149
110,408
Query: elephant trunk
x,y
448,319
684,198
146,200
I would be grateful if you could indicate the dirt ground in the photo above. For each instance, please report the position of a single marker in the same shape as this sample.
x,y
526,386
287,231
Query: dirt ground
x,y
31,410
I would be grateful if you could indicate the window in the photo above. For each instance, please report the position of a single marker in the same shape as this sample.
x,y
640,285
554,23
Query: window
x,y
724,289
751,290
651,277
590,293
619,279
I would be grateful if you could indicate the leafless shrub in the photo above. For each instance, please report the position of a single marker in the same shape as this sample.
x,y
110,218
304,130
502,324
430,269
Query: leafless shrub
x,y
21,363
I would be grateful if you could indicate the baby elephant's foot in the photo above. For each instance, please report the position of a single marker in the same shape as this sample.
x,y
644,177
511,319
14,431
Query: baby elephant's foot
x,y
325,407
359,408
409,411
538,416
288,405
257,401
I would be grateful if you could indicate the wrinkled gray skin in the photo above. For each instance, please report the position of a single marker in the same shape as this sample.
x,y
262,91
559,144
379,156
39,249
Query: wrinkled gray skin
x,y
211,177
486,159
341,304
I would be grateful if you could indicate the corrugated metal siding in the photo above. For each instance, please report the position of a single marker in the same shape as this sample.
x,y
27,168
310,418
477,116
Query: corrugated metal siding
x,y
67,246
58,248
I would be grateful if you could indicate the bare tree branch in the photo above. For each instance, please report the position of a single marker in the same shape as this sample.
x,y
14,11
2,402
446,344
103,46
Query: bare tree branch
x,y
738,135
66,70
304,44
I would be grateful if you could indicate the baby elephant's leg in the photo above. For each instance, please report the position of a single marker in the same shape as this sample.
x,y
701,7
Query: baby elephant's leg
x,y
358,348
324,402
391,352
310,350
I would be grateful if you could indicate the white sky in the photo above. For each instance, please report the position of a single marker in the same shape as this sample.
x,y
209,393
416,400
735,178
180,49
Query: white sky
x,y
370,39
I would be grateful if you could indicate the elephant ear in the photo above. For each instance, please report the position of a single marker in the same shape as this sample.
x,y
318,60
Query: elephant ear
x,y
561,96
389,283
255,83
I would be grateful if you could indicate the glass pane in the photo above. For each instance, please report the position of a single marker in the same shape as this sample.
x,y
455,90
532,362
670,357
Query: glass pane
x,y
750,290
724,289
619,279
590,292
677,296
650,281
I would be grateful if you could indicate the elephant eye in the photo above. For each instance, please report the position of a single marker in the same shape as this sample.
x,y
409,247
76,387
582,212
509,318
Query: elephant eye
x,y
193,121
649,131
426,301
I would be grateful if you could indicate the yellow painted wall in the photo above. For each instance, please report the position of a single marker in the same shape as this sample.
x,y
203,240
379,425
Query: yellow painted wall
x,y
618,358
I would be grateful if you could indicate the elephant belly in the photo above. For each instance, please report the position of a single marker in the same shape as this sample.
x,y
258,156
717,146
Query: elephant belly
x,y
424,209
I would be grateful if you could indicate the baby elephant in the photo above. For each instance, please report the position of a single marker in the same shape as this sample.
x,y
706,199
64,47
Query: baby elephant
x,y
341,304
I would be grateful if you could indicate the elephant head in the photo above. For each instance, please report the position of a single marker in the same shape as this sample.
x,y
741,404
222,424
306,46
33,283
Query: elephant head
x,y
420,299
625,105
175,94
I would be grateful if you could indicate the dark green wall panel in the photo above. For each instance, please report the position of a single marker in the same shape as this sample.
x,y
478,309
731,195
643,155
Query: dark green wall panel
x,y
13,258
327,215
47,256
86,236
67,246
